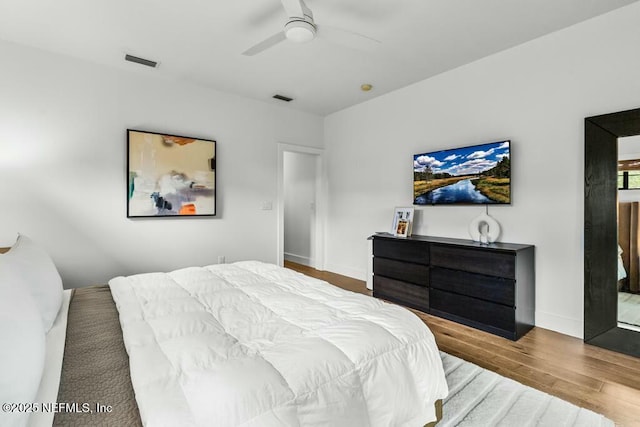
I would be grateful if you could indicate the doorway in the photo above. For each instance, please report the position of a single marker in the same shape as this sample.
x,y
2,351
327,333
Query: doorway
x,y
300,205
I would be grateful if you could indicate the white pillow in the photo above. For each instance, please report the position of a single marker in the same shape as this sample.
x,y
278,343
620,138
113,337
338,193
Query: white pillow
x,y
32,268
22,347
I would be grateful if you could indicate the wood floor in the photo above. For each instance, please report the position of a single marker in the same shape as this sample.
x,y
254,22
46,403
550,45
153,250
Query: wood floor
x,y
601,380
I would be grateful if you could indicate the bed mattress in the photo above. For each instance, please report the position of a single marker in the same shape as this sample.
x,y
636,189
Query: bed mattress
x,y
254,344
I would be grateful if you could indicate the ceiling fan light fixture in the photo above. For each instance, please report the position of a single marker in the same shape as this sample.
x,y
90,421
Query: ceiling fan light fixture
x,y
300,31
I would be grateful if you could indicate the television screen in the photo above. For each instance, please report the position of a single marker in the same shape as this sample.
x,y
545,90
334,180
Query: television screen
x,y
478,174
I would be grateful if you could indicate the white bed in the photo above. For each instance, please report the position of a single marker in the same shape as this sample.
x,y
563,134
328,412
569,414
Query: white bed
x,y
48,389
254,344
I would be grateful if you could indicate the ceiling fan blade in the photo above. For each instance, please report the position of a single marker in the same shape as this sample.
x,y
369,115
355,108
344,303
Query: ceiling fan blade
x,y
295,8
348,38
265,44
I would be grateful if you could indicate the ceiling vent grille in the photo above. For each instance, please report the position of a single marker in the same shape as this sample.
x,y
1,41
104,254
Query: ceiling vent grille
x,y
283,98
142,61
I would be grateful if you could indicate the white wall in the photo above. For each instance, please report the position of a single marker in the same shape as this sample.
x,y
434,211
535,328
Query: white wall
x,y
63,162
62,157
299,207
537,95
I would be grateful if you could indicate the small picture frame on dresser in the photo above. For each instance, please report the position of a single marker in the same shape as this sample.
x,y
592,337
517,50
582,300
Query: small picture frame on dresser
x,y
402,222
403,228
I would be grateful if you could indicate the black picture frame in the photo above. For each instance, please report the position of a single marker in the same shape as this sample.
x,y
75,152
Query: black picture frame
x,y
170,176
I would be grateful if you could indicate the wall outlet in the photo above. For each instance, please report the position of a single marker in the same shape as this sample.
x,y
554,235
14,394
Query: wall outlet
x,y
221,259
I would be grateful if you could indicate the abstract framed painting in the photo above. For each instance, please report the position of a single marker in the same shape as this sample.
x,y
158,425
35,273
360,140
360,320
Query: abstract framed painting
x,y
170,175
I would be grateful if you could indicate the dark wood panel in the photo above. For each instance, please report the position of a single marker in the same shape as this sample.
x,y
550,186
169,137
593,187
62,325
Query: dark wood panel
x,y
407,250
401,292
490,288
620,124
405,271
463,243
525,291
478,313
600,245
468,276
482,261
600,230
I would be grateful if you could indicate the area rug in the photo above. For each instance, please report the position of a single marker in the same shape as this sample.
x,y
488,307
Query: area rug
x,y
481,398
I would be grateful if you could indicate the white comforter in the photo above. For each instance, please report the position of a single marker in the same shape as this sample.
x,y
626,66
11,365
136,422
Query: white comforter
x,y
254,344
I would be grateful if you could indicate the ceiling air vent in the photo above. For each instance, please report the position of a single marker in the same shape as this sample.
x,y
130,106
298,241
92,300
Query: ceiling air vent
x,y
283,98
148,63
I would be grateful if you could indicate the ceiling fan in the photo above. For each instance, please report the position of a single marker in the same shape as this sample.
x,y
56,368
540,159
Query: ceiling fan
x,y
301,28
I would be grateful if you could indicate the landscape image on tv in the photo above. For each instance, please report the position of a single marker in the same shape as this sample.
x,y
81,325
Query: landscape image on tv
x,y
478,174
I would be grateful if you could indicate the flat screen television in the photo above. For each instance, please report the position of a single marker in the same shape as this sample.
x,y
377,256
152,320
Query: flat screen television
x,y
476,174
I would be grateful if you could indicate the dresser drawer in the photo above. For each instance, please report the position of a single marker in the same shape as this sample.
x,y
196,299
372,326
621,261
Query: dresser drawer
x,y
482,261
405,271
405,250
490,288
401,292
477,312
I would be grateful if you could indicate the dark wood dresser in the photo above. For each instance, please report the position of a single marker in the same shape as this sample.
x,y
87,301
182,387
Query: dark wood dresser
x,y
490,287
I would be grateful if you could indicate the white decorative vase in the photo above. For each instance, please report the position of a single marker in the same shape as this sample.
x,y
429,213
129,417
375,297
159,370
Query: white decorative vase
x,y
484,229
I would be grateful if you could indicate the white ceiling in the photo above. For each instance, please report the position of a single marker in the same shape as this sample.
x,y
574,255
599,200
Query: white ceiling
x,y
201,41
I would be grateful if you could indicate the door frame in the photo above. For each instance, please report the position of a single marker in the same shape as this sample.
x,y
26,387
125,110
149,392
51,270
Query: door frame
x,y
320,202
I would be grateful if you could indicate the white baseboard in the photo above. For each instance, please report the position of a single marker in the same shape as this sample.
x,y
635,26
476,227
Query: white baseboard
x,y
347,271
298,259
561,324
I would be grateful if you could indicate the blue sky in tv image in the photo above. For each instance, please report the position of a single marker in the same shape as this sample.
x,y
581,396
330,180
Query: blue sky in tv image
x,y
478,174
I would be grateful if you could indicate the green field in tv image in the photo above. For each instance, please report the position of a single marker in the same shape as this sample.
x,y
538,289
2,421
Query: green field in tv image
x,y
478,174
